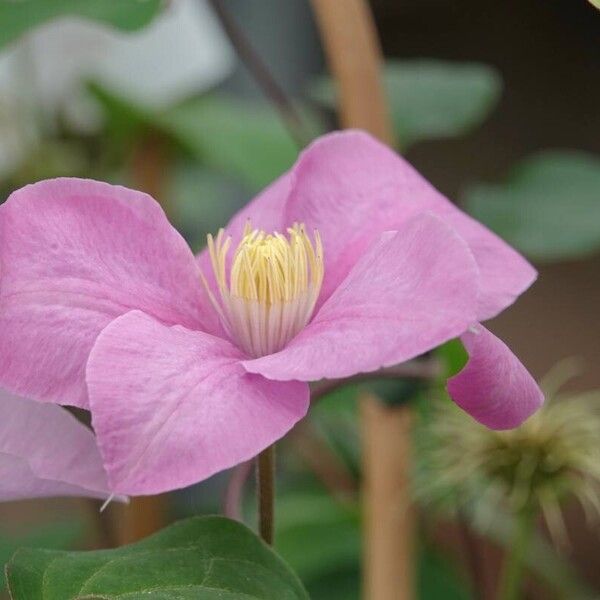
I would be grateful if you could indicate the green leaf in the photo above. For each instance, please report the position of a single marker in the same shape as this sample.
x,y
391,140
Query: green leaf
x,y
200,200
54,535
549,207
453,356
315,534
437,578
203,558
432,99
18,16
240,138
595,3
243,139
321,540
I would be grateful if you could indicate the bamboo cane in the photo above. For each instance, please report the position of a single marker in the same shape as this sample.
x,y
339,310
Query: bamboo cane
x,y
354,56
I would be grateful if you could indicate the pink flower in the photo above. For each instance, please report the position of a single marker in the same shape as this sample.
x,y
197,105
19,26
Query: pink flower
x,y
192,365
45,451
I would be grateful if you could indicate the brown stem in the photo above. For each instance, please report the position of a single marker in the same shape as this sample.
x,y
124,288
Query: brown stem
x,y
263,77
418,369
265,488
324,462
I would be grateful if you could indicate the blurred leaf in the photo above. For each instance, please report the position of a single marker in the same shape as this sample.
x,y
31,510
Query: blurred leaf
x,y
432,99
336,418
549,207
203,557
397,392
453,356
233,136
321,540
344,584
238,138
202,201
438,580
56,536
315,534
18,16
595,3
124,118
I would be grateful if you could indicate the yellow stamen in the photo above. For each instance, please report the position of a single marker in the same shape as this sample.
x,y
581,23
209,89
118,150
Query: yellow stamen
x,y
273,286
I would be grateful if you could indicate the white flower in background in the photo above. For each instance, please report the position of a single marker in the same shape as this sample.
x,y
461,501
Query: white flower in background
x,y
182,52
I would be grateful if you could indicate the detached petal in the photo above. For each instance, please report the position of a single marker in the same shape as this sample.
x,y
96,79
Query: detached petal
x,y
74,255
494,387
45,451
411,291
352,188
172,406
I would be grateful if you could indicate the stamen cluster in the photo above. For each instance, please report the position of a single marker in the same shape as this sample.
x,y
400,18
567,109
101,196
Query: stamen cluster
x,y
273,286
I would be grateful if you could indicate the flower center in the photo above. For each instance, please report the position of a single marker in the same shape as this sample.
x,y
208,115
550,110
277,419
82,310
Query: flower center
x,y
274,283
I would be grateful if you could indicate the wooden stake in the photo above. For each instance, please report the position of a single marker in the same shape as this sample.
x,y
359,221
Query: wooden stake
x,y
389,522
354,56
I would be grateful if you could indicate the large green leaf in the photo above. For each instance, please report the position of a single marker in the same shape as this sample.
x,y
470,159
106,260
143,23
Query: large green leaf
x,y
433,99
18,16
54,535
203,558
549,207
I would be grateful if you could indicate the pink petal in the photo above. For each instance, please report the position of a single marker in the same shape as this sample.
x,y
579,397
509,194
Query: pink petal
x,y
351,188
411,291
494,387
45,451
74,255
172,406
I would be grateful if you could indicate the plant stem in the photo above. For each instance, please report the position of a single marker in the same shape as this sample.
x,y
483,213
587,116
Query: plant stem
x,y
512,577
261,74
265,488
418,369
474,556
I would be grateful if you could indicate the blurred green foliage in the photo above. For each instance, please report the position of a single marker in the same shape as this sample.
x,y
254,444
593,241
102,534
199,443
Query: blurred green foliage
x,y
17,17
239,138
245,140
549,206
321,539
208,557
432,99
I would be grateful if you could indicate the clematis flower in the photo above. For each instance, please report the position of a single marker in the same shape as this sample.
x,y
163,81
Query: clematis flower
x,y
348,263
45,451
